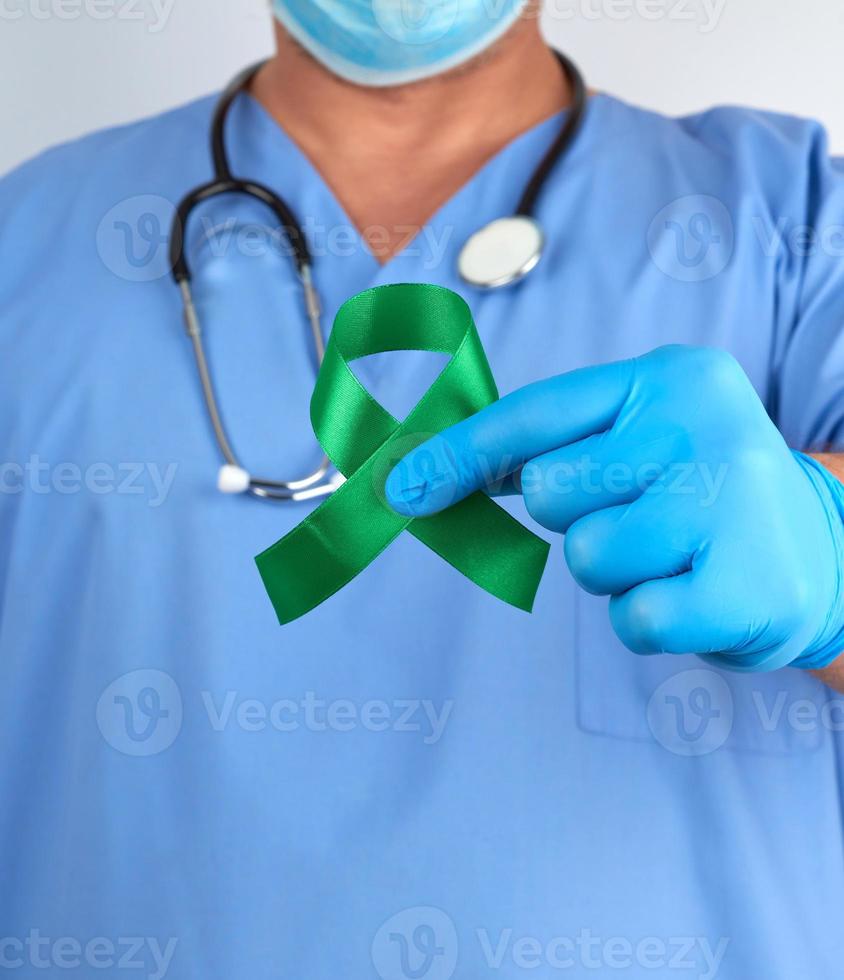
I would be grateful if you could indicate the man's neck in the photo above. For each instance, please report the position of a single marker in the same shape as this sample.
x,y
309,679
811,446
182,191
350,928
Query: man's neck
x,y
393,156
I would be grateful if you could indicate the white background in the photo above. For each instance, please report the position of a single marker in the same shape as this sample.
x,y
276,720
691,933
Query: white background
x,y
69,66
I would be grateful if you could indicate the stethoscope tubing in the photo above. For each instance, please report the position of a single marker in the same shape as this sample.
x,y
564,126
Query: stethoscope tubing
x,y
224,182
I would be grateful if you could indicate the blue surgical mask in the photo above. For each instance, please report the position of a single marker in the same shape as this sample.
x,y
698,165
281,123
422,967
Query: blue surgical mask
x,y
392,42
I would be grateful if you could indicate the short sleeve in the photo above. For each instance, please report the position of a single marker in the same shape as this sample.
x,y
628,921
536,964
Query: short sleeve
x,y
809,359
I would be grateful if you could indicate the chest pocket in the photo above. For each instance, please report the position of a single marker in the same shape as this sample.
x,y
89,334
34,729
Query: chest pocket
x,y
689,707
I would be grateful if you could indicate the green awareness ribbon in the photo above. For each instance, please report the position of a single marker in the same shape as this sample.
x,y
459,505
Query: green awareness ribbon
x,y
364,441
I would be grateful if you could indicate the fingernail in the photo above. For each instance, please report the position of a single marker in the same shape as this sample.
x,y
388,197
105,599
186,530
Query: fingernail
x,y
425,481
401,495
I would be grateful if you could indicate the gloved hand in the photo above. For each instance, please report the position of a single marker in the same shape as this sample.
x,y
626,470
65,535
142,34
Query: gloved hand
x,y
678,497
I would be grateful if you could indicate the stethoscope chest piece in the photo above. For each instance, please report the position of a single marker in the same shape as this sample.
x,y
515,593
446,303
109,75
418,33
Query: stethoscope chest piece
x,y
502,252
497,255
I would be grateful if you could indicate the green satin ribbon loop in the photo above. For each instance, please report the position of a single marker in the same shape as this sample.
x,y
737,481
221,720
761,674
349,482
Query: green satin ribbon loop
x,y
364,441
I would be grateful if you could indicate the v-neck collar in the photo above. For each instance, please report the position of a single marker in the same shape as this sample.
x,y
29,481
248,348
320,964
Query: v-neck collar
x,y
263,150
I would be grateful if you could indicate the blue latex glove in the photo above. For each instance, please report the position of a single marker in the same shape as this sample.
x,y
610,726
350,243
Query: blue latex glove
x,y
678,497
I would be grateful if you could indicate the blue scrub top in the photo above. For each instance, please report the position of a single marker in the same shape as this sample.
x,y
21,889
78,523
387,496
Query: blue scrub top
x,y
415,780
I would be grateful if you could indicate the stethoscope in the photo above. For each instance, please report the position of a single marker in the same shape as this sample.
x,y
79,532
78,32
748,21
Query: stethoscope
x,y
501,253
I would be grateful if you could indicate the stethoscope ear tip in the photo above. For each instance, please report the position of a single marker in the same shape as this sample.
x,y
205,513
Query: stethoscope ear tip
x,y
232,479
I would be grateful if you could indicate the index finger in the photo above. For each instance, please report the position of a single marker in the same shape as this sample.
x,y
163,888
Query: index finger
x,y
483,449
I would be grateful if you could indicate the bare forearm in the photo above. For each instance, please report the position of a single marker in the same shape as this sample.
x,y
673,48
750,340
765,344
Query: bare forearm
x,y
833,675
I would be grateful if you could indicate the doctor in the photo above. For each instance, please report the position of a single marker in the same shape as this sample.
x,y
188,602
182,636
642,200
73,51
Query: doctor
x,y
416,780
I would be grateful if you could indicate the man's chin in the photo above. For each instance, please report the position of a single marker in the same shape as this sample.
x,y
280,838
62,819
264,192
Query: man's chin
x,y
524,25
